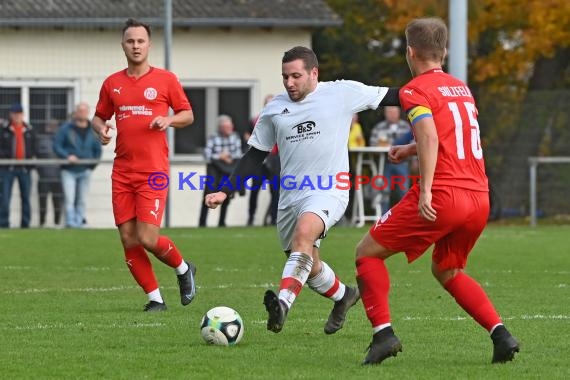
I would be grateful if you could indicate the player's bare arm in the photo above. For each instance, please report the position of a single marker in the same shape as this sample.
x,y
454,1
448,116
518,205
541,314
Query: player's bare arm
x,y
427,147
179,120
248,164
102,129
399,153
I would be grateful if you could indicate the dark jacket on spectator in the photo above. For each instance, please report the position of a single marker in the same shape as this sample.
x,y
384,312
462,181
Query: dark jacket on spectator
x,y
44,149
8,143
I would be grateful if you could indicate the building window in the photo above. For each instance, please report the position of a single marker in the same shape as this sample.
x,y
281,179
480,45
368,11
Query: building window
x,y
235,102
190,140
48,104
42,101
208,102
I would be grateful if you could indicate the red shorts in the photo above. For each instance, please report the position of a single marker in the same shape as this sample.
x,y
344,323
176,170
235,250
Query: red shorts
x,y
461,217
134,198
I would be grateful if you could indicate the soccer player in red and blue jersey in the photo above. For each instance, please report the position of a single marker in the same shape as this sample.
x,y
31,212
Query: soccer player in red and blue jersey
x,y
140,97
450,205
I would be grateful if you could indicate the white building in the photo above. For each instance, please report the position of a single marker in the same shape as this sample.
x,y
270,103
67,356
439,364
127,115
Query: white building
x,y
226,53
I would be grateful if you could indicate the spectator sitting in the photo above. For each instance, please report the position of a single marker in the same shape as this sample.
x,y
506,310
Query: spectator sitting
x,y
222,153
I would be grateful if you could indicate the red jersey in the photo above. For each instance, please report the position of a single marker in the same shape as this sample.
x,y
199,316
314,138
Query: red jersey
x,y
449,101
135,103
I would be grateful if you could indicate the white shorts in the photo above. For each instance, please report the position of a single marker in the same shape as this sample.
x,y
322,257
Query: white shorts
x,y
330,209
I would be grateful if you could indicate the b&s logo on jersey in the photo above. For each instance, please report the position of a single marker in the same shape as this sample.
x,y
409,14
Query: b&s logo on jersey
x,y
306,130
150,93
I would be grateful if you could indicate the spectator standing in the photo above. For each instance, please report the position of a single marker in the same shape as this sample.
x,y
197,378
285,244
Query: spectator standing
x,y
393,130
75,141
355,140
17,141
49,176
356,137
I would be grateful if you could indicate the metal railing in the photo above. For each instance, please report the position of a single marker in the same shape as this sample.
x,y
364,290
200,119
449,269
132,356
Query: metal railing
x,y
62,161
38,162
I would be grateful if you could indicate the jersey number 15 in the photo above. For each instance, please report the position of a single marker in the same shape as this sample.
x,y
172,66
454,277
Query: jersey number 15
x,y
475,137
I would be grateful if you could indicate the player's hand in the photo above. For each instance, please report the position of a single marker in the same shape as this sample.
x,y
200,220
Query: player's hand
x,y
72,158
424,206
213,200
397,153
160,123
105,134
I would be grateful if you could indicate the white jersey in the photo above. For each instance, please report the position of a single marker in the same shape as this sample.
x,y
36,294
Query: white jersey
x,y
312,136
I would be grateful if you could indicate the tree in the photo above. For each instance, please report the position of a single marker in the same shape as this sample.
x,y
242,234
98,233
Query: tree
x,y
519,52
509,40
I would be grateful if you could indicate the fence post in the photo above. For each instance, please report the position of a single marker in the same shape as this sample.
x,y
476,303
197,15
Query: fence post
x,y
533,164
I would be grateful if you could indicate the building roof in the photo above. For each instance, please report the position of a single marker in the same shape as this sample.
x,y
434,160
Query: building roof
x,y
185,13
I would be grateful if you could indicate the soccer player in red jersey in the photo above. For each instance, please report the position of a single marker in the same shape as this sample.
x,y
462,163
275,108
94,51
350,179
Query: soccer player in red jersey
x,y
449,207
140,97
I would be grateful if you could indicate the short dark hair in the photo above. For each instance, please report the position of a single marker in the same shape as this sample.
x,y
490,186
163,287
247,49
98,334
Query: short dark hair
x,y
303,53
428,36
133,23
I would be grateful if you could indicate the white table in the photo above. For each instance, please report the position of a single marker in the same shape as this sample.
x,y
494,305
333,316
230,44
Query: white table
x,y
375,157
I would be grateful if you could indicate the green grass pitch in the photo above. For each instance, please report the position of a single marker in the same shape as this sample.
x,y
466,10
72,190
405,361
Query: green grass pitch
x,y
70,309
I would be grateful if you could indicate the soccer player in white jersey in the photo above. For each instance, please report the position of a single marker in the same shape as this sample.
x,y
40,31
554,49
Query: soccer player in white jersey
x,y
310,123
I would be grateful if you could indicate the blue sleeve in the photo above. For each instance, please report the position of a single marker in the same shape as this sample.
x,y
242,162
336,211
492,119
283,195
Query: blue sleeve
x,y
97,150
59,142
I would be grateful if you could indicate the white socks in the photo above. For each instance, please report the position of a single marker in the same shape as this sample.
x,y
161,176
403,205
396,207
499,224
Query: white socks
x,y
326,283
375,329
155,296
182,268
295,274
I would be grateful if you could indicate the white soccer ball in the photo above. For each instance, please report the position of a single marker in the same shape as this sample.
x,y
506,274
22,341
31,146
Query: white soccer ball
x,y
222,326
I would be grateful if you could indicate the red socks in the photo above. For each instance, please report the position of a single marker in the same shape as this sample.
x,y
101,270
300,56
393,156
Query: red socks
x,y
473,299
166,251
141,268
374,285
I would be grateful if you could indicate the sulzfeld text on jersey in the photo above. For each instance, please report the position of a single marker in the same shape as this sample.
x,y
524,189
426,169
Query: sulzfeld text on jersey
x,y
454,91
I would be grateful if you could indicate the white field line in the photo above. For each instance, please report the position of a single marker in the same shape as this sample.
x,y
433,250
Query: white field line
x,y
121,269
219,286
74,269
555,317
53,326
69,290
122,288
